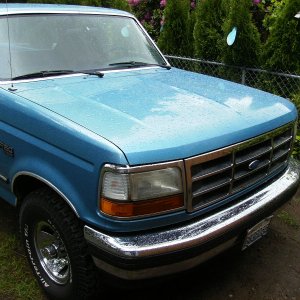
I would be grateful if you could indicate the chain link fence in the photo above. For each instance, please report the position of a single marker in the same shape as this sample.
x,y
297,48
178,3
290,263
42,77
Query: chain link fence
x,y
282,84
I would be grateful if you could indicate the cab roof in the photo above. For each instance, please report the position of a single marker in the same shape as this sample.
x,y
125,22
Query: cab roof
x,y
56,8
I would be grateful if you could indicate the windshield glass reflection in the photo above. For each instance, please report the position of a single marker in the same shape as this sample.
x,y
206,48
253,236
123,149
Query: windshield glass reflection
x,y
72,42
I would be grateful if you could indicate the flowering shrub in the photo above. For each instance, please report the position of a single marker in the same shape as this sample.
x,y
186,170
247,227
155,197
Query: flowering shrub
x,y
163,3
134,2
256,2
151,14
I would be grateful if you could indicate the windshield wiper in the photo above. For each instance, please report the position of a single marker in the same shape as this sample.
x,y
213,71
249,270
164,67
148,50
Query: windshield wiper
x,y
132,64
43,74
55,73
96,73
125,64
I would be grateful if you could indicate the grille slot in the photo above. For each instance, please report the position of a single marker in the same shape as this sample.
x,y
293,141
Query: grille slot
x,y
211,183
214,176
253,152
211,167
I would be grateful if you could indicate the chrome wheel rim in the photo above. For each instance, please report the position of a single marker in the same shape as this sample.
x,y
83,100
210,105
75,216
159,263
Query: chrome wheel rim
x,y
52,252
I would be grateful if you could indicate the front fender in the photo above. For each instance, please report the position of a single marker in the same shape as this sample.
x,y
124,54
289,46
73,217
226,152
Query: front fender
x,y
60,180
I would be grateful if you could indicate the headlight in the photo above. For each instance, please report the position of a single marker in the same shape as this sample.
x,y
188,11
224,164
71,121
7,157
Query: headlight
x,y
141,193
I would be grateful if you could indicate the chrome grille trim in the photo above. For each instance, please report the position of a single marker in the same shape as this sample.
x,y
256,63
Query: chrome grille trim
x,y
214,176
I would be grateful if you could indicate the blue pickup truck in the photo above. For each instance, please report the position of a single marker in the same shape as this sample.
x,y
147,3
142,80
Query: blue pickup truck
x,y
116,160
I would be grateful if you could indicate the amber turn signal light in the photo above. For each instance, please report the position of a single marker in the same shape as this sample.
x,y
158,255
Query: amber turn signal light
x,y
140,208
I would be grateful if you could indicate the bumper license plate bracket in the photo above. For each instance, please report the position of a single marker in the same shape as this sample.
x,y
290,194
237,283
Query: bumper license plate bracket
x,y
256,232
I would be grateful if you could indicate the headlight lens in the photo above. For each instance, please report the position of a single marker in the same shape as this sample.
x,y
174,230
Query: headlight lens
x,y
128,195
155,184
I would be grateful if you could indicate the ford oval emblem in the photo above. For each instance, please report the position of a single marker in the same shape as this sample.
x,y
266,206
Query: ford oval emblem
x,y
253,165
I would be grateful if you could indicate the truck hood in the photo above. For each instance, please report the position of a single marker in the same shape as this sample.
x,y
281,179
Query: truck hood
x,y
156,115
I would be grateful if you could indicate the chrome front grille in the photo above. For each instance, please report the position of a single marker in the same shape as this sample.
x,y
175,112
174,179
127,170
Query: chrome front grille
x,y
216,175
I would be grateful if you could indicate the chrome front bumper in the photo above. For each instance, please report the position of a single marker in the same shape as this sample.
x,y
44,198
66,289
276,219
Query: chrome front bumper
x,y
161,242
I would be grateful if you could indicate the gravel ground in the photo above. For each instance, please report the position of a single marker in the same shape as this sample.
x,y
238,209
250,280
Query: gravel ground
x,y
270,269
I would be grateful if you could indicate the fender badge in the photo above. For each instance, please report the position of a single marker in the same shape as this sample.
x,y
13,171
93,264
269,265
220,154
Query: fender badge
x,y
7,149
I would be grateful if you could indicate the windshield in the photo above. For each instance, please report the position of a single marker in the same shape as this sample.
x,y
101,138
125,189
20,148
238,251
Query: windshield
x,y
48,42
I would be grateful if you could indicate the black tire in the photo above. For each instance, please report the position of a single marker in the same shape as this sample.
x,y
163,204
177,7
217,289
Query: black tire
x,y
55,247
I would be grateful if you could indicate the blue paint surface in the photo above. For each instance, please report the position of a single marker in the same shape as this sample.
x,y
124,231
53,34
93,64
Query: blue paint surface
x,y
63,130
159,115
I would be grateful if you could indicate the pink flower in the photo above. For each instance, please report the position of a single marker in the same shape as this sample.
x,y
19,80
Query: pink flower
x,y
147,16
255,2
193,4
133,2
163,3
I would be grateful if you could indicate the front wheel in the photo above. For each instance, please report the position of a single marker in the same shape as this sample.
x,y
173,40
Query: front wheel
x,y
55,247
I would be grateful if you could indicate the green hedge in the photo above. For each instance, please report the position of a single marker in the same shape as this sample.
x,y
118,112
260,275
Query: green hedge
x,y
247,48
173,38
282,49
208,32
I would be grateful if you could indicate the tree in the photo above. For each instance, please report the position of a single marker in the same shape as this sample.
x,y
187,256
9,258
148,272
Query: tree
x,y
71,2
149,13
273,7
118,4
208,32
174,35
190,34
282,49
246,49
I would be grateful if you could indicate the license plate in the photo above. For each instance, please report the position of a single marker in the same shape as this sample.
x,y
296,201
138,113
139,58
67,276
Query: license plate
x,y
256,232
